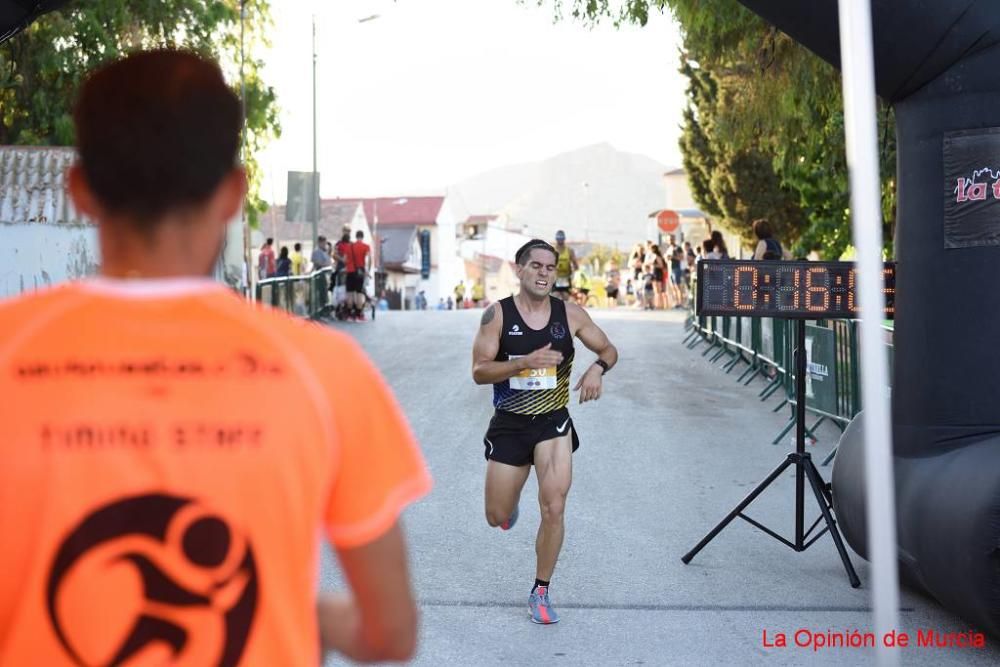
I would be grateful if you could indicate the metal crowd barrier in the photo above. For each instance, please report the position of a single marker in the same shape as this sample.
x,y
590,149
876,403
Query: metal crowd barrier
x,y
305,296
764,346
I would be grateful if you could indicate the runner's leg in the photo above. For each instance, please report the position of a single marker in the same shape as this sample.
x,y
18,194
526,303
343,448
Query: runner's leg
x,y
503,490
554,469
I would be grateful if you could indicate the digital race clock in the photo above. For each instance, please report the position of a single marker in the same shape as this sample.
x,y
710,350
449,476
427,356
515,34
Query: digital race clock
x,y
792,289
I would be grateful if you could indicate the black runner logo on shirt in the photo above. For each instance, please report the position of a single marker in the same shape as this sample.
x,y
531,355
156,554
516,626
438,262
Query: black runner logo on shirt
x,y
557,330
180,581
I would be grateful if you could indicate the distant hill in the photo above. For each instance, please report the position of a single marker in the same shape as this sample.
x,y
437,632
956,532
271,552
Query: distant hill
x,y
541,197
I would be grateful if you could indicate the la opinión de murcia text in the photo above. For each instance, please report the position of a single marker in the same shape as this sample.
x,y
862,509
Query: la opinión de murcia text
x,y
820,640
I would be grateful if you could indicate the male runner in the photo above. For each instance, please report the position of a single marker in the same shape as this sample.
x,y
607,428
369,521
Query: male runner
x,y
170,451
524,348
566,266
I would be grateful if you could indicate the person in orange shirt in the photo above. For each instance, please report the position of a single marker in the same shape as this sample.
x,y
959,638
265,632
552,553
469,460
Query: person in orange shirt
x,y
172,452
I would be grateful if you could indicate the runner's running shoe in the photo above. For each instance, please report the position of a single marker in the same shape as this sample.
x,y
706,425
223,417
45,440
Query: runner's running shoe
x,y
540,607
509,523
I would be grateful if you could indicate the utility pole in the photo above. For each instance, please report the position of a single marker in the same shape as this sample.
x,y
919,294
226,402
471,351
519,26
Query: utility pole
x,y
315,176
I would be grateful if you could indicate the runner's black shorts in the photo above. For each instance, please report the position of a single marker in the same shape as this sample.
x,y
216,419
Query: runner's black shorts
x,y
356,281
511,437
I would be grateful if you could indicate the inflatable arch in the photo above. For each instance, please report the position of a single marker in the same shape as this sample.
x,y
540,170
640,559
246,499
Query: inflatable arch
x,y
938,64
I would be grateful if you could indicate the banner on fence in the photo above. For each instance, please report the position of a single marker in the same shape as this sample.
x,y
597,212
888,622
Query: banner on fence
x,y
821,379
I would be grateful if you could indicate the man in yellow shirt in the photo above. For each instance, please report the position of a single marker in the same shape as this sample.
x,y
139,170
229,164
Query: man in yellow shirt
x,y
566,265
478,293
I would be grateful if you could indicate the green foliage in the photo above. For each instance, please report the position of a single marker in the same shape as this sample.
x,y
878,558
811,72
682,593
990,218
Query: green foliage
x,y
601,254
764,127
42,68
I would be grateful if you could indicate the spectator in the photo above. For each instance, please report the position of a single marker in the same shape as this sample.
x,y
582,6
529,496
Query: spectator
x,y
635,260
768,247
581,283
298,260
451,303
358,266
320,257
612,282
459,294
265,263
635,265
678,264
719,244
708,250
629,292
441,304
478,293
340,250
690,259
658,265
320,260
283,267
648,292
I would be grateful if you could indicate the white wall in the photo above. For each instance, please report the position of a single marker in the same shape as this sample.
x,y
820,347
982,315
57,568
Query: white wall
x,y
678,191
35,255
499,242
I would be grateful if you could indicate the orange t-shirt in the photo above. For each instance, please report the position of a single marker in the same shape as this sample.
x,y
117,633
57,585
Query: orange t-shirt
x,y
170,456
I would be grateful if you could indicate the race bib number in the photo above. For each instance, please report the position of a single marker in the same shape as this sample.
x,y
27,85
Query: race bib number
x,y
534,379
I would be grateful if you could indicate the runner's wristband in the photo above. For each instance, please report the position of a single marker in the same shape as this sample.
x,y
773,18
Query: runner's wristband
x,y
603,364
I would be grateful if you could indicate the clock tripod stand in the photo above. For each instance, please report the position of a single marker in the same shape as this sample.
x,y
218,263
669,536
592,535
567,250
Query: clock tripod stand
x,y
805,471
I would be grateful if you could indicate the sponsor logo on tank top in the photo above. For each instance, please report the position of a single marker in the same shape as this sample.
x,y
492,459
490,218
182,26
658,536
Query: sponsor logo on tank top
x,y
557,330
515,331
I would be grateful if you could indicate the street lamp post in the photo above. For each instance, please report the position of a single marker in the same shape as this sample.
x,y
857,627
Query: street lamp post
x,y
315,173
315,170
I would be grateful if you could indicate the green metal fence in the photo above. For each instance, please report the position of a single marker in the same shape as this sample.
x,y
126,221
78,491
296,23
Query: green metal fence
x,y
305,296
762,347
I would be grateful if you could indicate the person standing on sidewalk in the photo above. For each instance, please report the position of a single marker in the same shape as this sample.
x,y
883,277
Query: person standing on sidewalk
x,y
524,348
357,268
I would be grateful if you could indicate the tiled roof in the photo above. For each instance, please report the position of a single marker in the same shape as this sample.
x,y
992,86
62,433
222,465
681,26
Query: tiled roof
x,y
480,219
492,262
334,215
400,210
33,185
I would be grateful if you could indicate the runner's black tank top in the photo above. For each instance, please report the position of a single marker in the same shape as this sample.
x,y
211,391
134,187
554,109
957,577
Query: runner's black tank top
x,y
534,392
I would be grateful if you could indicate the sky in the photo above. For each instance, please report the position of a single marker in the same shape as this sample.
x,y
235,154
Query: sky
x,y
435,91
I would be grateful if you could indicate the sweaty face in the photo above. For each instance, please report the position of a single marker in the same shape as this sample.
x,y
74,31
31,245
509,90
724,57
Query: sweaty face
x,y
538,273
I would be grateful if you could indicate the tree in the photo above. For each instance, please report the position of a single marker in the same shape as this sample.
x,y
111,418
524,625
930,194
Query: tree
x,y
732,180
42,68
775,125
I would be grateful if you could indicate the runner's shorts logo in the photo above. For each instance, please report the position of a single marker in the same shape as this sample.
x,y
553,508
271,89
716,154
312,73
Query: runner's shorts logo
x,y
557,330
181,579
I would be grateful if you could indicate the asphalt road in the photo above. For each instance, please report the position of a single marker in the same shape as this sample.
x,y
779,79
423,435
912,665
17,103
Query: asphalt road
x,y
670,448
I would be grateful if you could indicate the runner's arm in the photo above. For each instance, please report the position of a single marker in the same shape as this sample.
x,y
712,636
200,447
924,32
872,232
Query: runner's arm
x,y
592,336
379,622
485,370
